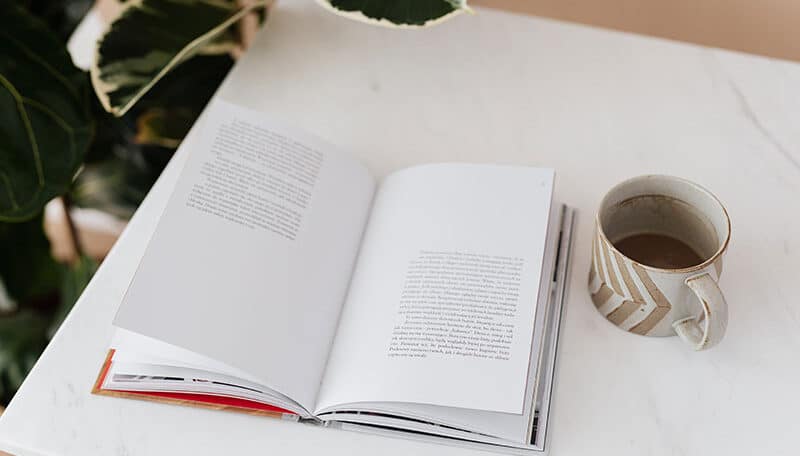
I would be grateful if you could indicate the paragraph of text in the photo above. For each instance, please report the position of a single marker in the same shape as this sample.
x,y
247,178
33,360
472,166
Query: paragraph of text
x,y
457,304
257,178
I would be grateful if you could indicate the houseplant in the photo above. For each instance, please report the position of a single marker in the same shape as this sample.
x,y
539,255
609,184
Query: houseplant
x,y
99,139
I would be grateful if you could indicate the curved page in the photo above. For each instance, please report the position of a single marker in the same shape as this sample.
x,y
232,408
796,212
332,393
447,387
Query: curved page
x,y
251,260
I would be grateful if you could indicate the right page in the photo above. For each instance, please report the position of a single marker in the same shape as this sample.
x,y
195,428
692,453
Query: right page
x,y
441,306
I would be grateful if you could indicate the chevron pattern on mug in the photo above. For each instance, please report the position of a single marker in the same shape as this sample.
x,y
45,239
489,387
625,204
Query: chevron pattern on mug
x,y
627,295
618,288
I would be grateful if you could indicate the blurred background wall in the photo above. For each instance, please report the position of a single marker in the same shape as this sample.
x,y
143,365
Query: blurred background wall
x,y
766,27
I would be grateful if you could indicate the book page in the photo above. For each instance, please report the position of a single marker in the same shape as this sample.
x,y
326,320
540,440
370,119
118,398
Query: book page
x,y
510,426
251,260
442,303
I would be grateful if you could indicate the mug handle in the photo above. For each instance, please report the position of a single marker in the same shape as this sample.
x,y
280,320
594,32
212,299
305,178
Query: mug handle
x,y
706,330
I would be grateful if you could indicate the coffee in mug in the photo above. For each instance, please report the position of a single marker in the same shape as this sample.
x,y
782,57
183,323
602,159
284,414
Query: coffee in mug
x,y
657,257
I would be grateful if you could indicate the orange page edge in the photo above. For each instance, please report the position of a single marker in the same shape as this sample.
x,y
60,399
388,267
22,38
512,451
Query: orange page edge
x,y
206,401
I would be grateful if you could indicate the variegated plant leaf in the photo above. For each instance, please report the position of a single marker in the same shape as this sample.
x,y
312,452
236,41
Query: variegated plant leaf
x,y
151,37
45,127
397,13
166,113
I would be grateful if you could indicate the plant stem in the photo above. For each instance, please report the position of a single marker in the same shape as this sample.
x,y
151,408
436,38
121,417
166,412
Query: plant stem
x,y
66,203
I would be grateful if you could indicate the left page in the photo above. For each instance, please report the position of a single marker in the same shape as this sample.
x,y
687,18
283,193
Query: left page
x,y
251,260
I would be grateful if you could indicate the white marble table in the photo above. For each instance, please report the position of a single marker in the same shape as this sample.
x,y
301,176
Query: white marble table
x,y
599,107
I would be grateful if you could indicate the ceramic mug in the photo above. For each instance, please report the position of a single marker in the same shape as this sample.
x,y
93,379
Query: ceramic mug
x,y
652,297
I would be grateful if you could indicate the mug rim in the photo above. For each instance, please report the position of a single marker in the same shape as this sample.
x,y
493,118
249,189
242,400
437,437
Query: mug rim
x,y
720,250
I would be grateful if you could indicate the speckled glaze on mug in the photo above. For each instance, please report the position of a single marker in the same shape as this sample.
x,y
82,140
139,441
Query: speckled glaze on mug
x,y
653,301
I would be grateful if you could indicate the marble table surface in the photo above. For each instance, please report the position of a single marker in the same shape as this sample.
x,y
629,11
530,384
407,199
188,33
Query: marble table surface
x,y
599,107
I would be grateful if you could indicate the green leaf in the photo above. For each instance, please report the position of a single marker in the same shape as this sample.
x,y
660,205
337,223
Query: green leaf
x,y
27,268
75,278
22,340
32,279
408,13
44,125
151,37
166,113
116,178
61,16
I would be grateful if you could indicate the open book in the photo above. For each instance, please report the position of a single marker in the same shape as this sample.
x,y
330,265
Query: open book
x,y
283,279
